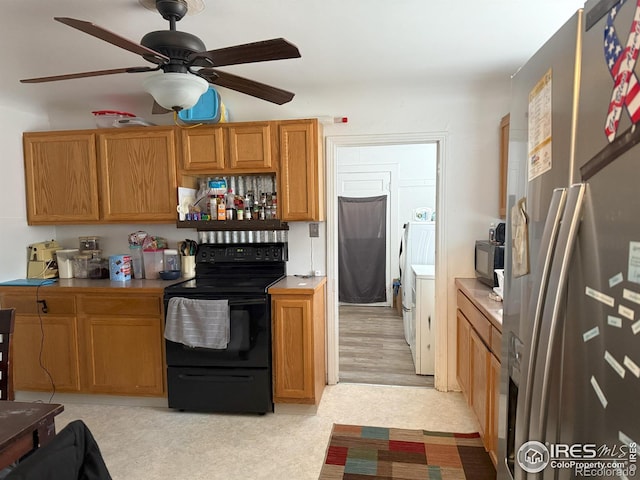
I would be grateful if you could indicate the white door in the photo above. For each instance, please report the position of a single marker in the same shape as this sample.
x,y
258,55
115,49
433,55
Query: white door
x,y
353,183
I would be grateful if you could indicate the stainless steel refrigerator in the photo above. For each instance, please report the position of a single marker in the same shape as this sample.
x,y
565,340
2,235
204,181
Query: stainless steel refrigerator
x,y
570,379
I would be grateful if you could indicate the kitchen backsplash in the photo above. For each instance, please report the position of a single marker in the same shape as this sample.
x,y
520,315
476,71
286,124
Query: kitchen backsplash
x,y
305,254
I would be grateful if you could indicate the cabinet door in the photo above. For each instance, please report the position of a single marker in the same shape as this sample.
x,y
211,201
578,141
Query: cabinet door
x,y
123,355
61,178
57,336
138,175
301,193
479,378
463,358
250,147
293,368
494,402
203,149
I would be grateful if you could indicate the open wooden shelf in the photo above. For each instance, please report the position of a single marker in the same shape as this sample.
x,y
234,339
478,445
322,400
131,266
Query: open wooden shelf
x,y
212,225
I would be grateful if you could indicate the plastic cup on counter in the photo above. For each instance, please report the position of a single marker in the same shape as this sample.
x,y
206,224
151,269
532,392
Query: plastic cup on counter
x,y
171,259
137,263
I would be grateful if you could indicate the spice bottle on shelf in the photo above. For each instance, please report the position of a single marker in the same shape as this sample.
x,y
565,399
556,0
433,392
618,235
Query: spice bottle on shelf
x,y
213,207
274,205
248,205
230,204
239,208
222,214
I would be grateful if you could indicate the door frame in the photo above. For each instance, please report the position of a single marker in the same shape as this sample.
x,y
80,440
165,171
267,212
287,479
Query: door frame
x,y
332,144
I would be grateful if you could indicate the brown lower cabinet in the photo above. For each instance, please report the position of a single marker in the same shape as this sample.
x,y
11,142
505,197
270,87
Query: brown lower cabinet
x,y
87,343
122,344
478,368
298,318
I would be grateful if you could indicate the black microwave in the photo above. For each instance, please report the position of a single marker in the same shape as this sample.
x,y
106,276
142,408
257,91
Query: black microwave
x,y
489,256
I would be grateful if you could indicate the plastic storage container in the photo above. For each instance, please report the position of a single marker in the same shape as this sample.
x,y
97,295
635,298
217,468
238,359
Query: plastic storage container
x,y
98,267
65,262
209,109
171,260
137,264
81,266
153,263
108,118
88,243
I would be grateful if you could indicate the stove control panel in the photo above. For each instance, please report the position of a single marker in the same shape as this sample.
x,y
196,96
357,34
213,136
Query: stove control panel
x,y
242,252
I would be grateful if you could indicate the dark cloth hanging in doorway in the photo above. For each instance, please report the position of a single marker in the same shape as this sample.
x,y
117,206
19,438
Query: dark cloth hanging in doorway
x,y
362,249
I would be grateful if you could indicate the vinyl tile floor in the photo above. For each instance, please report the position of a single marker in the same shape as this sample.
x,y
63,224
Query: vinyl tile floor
x,y
154,442
373,349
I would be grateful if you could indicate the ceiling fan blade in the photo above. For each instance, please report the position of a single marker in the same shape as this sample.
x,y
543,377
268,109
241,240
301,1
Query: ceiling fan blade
x,y
246,86
96,73
158,109
114,39
266,50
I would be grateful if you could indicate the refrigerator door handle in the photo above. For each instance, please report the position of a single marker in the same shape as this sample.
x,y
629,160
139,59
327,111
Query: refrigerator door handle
x,y
558,285
536,305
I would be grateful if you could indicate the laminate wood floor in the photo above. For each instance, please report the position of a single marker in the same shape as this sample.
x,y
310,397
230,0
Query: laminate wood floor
x,y
373,349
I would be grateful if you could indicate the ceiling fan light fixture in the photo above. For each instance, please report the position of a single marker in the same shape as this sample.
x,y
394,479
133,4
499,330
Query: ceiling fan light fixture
x,y
175,91
194,6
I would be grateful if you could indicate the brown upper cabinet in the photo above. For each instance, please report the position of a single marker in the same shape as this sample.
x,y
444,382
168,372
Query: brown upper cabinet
x,y
130,175
230,148
100,176
301,176
61,176
138,175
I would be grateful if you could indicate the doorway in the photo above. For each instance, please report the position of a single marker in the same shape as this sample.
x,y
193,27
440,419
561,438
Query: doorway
x,y
338,147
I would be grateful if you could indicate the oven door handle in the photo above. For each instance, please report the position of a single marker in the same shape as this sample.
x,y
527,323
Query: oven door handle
x,y
215,378
256,301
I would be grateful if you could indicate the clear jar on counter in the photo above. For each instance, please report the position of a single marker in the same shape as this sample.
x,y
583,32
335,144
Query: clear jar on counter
x,y
89,243
81,266
171,259
98,267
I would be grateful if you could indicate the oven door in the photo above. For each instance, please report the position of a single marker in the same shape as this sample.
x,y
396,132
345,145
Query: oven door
x,y
249,338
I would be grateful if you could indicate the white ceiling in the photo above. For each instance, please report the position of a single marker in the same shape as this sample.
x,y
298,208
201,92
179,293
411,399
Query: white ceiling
x,y
344,43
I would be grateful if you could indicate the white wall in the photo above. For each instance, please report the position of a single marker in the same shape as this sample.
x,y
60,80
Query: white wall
x,y
15,235
468,113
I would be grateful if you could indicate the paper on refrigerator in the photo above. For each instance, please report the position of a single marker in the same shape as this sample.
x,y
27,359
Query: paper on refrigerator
x,y
520,239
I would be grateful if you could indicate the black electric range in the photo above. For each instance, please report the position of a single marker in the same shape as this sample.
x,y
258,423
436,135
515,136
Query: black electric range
x,y
237,378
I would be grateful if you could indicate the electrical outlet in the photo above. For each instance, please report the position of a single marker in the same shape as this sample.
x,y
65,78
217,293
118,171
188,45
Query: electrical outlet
x,y
316,273
314,230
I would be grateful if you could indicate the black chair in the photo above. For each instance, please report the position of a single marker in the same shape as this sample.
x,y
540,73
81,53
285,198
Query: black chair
x,y
72,454
7,320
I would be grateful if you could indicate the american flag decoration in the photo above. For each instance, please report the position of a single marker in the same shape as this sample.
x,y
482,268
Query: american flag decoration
x,y
621,63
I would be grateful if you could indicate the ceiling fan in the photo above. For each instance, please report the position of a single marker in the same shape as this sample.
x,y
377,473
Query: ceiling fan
x,y
185,68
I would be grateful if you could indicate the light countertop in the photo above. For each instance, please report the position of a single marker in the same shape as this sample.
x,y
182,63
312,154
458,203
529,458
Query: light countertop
x,y
478,293
101,285
294,284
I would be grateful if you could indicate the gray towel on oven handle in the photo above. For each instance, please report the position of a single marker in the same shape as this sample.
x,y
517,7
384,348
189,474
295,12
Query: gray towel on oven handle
x,y
198,323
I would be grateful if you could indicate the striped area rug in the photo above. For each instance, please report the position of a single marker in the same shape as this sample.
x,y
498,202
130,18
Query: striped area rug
x,y
359,453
